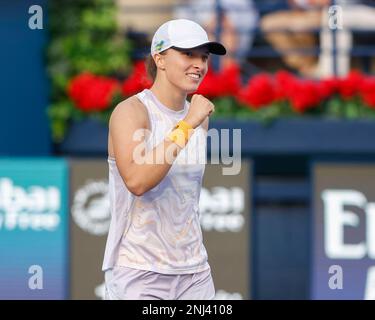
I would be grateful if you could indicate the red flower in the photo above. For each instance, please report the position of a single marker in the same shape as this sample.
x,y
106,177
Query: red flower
x,y
210,87
349,86
367,92
92,93
328,87
137,81
230,80
305,95
259,91
285,84
302,94
226,82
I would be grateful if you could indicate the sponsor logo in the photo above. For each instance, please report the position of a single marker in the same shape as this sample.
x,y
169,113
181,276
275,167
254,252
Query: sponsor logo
x,y
343,212
159,45
221,209
90,209
33,208
338,218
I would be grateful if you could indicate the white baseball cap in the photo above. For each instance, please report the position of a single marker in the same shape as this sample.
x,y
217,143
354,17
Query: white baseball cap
x,y
184,34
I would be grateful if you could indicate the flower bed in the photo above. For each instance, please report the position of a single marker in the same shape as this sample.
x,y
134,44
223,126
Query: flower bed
x,y
263,97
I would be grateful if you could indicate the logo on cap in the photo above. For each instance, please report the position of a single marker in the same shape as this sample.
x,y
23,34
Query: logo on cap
x,y
159,45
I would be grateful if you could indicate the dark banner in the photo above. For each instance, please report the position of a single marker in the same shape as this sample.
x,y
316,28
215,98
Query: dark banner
x,y
89,223
224,209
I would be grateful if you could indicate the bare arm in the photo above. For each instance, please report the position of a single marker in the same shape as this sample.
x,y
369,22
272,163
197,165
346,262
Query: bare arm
x,y
128,118
205,124
142,171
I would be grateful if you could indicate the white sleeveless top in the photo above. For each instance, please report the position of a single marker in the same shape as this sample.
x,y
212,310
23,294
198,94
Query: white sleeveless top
x,y
160,230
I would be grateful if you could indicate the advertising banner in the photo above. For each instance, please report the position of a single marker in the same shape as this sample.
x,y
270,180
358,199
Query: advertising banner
x,y
33,229
89,224
343,255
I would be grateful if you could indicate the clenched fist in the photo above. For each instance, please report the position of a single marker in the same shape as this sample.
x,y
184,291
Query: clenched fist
x,y
200,109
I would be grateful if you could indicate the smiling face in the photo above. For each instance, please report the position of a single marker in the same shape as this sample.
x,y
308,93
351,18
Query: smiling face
x,y
184,68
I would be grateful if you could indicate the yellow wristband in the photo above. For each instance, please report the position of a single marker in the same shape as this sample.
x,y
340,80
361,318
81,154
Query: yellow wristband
x,y
181,133
184,124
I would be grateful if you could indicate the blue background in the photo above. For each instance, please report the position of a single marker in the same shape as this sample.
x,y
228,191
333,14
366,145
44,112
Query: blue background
x,y
24,128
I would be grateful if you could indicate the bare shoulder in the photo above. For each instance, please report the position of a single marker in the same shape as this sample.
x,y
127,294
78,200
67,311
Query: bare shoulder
x,y
128,116
130,110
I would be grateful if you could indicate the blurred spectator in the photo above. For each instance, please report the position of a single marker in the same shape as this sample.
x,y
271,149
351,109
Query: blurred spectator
x,y
138,15
239,19
292,30
349,15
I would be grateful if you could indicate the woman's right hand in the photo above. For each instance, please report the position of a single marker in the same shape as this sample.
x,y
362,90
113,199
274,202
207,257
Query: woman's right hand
x,y
200,109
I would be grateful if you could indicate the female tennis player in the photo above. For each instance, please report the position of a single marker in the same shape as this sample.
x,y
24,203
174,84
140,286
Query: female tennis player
x,y
155,248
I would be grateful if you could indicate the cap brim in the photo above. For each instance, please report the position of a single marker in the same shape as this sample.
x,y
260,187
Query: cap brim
x,y
216,48
213,47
